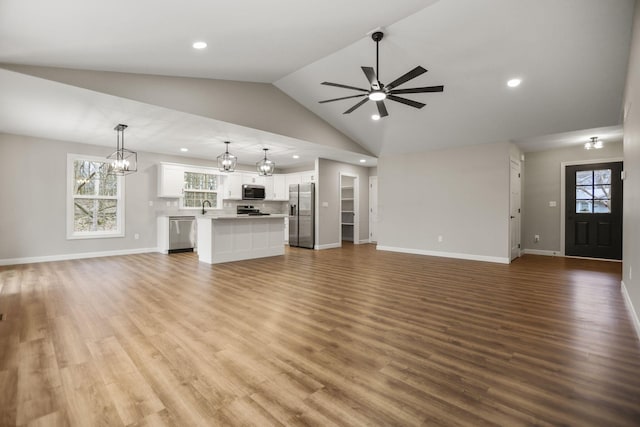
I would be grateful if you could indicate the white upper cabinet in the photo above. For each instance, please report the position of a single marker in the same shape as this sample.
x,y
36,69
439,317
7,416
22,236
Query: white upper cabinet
x,y
233,186
170,180
280,187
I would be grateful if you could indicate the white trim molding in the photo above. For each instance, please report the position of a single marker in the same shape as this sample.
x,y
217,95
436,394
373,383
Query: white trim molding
x,y
328,246
632,311
471,257
66,257
541,252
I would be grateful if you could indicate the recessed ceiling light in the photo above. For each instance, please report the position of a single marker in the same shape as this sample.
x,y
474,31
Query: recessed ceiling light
x,y
514,82
295,156
184,150
375,117
363,161
199,45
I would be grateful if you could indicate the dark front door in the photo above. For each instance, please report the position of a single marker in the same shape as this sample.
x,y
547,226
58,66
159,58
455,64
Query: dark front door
x,y
593,225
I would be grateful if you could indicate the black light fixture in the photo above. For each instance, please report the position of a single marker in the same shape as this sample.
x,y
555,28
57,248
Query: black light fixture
x,y
265,166
226,161
122,161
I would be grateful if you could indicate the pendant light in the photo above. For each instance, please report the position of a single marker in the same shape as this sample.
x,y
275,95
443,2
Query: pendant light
x,y
265,166
227,162
122,161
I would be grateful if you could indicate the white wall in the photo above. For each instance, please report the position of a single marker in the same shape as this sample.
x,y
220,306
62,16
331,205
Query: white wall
x,y
461,194
542,185
631,214
256,105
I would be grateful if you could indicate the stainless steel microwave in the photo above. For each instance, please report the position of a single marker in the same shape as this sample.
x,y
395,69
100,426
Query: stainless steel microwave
x,y
252,192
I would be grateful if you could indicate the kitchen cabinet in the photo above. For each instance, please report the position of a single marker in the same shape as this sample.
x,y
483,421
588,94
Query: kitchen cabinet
x,y
233,186
280,187
170,180
293,178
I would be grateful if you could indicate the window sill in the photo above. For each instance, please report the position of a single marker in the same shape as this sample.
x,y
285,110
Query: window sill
x,y
94,236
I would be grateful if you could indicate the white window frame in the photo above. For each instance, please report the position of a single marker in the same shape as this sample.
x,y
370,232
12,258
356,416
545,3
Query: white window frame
x,y
71,234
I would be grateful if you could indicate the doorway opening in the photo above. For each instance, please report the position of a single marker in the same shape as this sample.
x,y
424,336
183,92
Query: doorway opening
x,y
515,184
349,215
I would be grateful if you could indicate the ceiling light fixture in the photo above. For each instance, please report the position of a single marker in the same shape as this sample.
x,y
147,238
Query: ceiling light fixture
x,y
184,150
123,161
514,82
265,166
226,161
363,161
199,45
295,156
375,116
595,143
377,95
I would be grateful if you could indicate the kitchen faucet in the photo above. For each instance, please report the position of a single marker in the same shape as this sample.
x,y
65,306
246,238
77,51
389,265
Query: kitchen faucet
x,y
205,201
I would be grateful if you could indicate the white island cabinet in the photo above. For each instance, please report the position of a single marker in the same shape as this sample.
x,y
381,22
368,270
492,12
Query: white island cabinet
x,y
235,238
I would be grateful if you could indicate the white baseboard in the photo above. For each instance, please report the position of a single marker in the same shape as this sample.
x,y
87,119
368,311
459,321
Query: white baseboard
x,y
471,257
541,252
65,257
632,311
362,242
328,246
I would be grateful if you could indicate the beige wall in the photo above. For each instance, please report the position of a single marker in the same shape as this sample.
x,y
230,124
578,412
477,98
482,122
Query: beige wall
x,y
257,105
631,215
461,194
542,184
328,190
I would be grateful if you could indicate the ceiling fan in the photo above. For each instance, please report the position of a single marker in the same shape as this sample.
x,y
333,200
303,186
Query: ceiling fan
x,y
379,92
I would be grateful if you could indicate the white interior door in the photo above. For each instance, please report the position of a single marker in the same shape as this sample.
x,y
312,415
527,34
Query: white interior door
x,y
514,211
373,208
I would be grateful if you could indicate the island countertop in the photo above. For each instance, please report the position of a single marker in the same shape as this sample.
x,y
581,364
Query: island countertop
x,y
225,238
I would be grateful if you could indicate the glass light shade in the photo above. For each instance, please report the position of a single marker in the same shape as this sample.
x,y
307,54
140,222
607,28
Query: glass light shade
x,y
265,166
588,146
377,95
122,161
226,161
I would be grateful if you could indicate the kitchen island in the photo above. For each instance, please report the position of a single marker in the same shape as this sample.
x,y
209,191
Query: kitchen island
x,y
226,238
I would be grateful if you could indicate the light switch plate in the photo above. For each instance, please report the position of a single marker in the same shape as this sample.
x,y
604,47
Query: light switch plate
x,y
552,204
325,204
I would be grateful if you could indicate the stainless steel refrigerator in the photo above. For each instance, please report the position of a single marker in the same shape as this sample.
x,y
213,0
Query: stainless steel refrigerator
x,y
301,215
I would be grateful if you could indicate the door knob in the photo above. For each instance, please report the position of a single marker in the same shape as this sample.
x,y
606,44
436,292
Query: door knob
x,y
512,217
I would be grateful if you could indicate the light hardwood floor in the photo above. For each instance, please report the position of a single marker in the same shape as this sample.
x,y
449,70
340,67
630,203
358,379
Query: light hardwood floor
x,y
349,336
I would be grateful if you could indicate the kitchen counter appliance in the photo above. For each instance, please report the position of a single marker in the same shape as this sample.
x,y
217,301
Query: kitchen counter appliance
x,y
301,215
249,210
182,234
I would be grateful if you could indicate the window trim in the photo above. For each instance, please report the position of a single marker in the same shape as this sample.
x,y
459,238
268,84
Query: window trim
x,y
72,235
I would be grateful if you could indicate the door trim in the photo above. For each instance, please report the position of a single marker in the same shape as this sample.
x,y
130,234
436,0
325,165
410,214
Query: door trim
x,y
356,206
563,196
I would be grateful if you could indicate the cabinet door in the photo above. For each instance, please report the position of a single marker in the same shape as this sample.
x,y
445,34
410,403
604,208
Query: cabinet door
x,y
233,186
269,193
280,188
293,178
307,177
170,180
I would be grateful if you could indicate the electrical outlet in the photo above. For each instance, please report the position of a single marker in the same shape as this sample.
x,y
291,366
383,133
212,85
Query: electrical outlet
x,y
440,239
536,238
136,236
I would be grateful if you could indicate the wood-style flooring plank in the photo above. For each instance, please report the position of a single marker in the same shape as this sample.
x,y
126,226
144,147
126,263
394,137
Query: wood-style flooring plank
x,y
350,336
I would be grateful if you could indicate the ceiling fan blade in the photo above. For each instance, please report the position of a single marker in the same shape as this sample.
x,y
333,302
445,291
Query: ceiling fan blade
x,y
418,90
405,101
356,106
371,76
344,97
344,86
382,109
406,77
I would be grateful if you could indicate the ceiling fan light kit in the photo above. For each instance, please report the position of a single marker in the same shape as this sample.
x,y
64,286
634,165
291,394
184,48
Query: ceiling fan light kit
x,y
378,92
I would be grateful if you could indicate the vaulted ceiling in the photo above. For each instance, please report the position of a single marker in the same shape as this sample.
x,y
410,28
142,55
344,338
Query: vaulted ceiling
x,y
571,56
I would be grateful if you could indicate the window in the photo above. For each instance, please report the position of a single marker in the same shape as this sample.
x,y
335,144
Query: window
x,y
95,200
199,187
593,191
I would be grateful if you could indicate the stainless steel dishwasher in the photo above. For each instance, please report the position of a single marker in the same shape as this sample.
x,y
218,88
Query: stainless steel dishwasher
x,y
182,233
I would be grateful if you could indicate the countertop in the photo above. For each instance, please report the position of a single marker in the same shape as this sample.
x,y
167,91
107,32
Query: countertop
x,y
223,216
